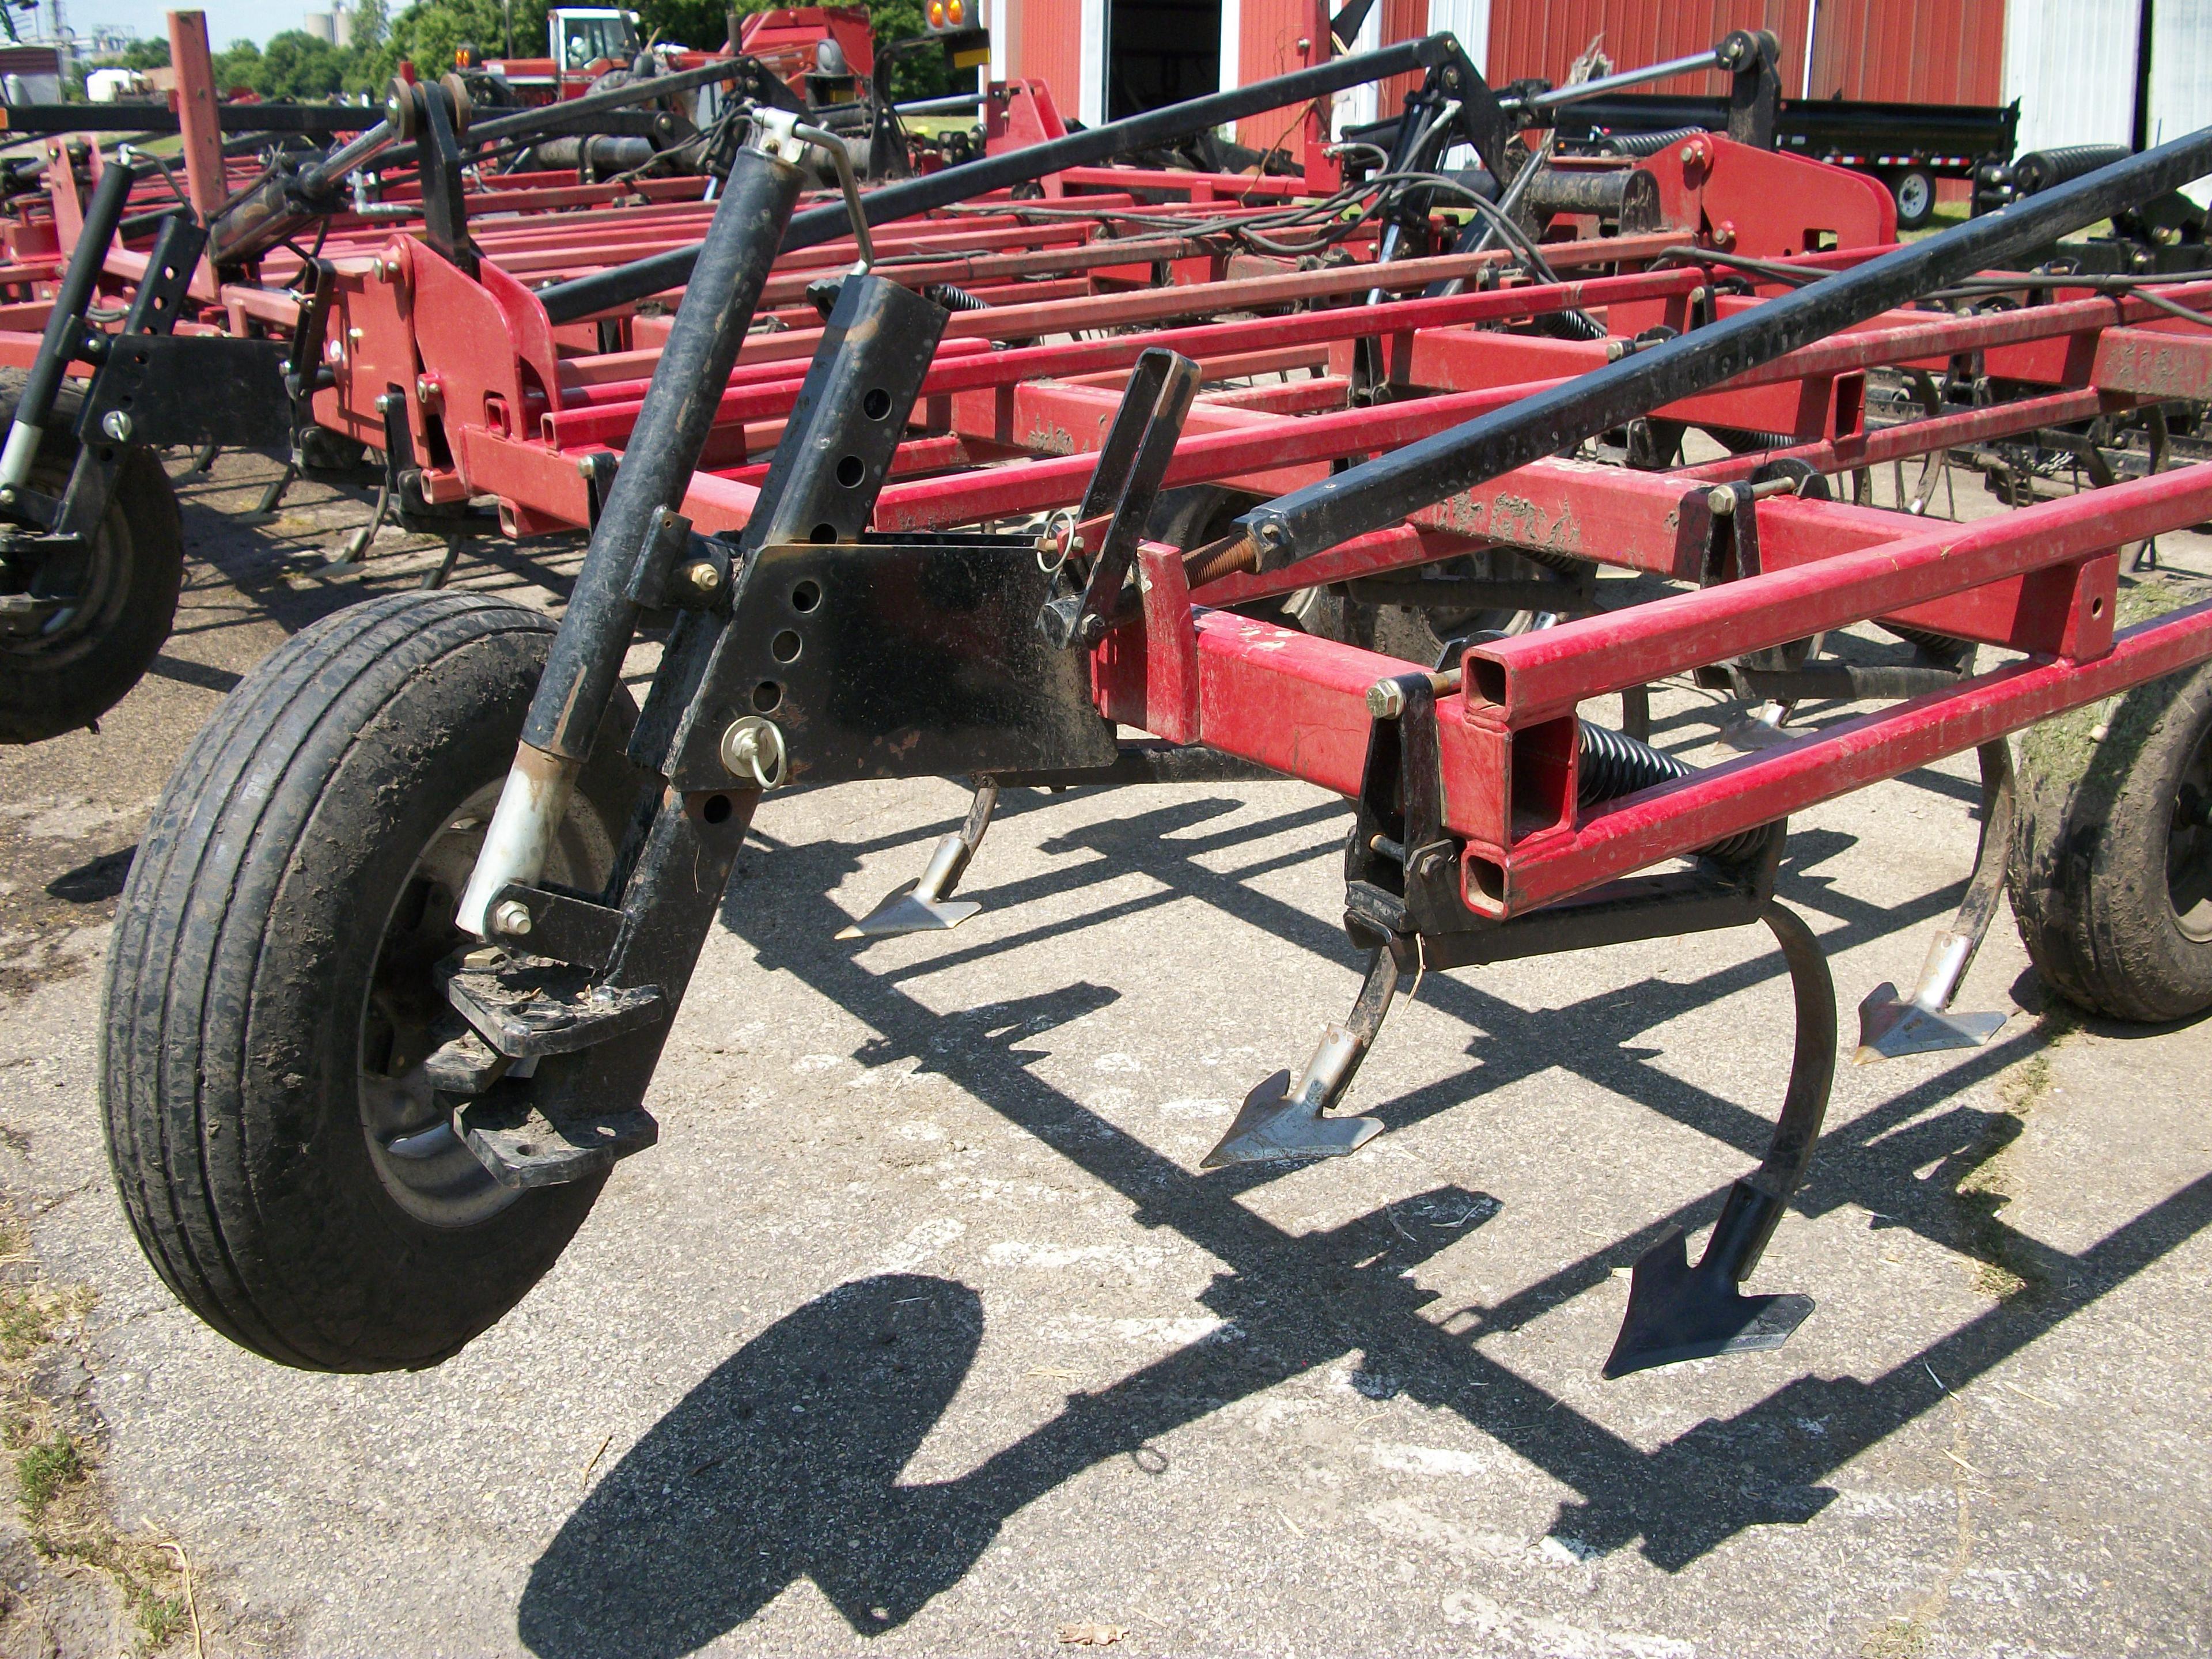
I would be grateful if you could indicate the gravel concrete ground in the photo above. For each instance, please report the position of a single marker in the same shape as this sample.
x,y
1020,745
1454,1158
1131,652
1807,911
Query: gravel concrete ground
x,y
920,1331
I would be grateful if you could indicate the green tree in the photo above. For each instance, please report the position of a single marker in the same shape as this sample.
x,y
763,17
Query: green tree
x,y
238,66
426,33
297,66
370,23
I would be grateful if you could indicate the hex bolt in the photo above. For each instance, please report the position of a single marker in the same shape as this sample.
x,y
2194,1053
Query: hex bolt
x,y
116,425
1385,700
1689,155
1429,863
510,916
705,577
1720,498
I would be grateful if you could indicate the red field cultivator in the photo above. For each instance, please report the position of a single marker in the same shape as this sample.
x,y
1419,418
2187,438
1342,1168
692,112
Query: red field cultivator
x,y
1155,476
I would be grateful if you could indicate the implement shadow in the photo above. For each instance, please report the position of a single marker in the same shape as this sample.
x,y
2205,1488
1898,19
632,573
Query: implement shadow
x,y
1290,1304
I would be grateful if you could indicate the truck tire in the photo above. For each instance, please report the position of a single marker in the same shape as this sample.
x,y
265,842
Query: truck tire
x,y
87,656
270,995
1914,189
2110,864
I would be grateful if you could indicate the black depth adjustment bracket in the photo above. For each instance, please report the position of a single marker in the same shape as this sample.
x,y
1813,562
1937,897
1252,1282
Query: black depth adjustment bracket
x,y
676,570
1753,58
1131,465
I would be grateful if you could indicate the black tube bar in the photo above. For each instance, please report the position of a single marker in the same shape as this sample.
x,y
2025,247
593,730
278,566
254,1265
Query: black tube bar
x,y
1383,491
663,450
64,335
565,302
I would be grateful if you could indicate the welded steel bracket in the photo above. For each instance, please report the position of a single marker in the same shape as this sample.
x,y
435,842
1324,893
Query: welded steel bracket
x,y
160,389
898,657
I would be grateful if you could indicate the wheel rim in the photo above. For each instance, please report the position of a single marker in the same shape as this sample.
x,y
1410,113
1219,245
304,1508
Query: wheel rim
x,y
88,582
2189,844
1912,193
422,1163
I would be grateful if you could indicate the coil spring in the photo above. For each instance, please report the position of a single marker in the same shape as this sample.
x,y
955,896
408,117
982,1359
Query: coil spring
x,y
1649,143
954,298
2038,170
1613,764
1576,326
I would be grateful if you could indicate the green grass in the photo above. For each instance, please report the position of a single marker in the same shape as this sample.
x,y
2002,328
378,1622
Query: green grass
x,y
43,1472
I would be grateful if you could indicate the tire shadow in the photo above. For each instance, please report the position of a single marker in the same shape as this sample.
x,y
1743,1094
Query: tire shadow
x,y
782,1464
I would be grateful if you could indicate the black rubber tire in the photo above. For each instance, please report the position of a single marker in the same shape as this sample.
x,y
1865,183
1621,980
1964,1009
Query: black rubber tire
x,y
2096,821
68,680
256,915
1913,190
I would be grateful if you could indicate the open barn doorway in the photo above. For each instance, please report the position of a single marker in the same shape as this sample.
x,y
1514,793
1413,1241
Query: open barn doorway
x,y
1159,51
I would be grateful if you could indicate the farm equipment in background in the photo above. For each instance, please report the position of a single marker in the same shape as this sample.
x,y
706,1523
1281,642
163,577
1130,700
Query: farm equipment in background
x,y
971,494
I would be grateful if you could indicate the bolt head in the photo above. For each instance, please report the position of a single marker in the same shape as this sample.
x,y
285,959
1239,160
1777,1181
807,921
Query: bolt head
x,y
511,917
426,389
116,425
1689,155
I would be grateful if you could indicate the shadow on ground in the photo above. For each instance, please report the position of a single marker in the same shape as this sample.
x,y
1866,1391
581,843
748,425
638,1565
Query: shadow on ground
x,y
735,1494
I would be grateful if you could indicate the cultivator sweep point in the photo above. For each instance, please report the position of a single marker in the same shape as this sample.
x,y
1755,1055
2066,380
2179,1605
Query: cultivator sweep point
x,y
1316,489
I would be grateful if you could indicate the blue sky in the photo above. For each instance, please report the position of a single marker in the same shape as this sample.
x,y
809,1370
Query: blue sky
x,y
232,20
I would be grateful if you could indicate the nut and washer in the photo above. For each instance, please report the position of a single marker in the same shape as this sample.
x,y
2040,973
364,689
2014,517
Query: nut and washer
x,y
753,748
116,425
704,576
511,917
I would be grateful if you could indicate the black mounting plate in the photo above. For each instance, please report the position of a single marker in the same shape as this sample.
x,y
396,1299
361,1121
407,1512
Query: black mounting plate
x,y
193,389
908,656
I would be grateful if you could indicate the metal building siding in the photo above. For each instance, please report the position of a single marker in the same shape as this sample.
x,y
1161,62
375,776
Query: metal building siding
x,y
1045,42
2180,68
1543,37
1467,18
1270,32
2072,65
1931,51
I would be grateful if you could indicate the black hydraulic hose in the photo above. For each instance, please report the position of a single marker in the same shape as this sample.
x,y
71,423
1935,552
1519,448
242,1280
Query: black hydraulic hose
x,y
1384,491
64,325
664,448
565,302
